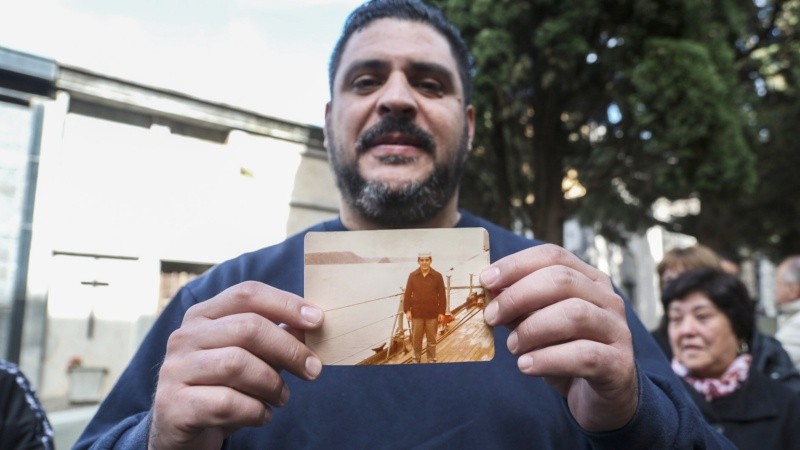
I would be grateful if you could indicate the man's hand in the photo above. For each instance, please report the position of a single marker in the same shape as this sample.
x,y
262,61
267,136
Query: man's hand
x,y
222,367
567,325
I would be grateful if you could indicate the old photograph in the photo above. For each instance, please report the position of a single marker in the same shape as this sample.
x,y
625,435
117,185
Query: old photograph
x,y
399,296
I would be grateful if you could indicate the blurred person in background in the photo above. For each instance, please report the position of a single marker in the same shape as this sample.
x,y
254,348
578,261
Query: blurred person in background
x,y
676,261
769,356
680,259
730,263
23,422
710,326
787,294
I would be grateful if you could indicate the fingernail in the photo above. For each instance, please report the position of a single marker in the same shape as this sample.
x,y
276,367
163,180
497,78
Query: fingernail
x,y
525,363
490,313
284,395
313,366
489,275
513,342
312,315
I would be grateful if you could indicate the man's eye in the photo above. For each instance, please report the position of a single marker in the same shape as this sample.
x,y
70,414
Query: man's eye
x,y
430,87
363,84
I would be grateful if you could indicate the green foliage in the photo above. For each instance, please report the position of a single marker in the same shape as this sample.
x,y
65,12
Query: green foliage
x,y
695,86
681,101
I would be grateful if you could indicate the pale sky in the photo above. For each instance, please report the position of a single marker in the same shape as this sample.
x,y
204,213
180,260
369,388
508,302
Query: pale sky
x,y
267,56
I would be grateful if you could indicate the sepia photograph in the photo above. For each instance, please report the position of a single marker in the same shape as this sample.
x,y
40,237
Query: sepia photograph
x,y
398,296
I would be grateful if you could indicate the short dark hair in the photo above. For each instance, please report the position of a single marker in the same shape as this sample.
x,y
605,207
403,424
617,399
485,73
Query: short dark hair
x,y
726,291
411,10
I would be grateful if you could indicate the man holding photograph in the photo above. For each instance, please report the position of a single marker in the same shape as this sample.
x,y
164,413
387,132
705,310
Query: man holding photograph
x,y
424,302
226,366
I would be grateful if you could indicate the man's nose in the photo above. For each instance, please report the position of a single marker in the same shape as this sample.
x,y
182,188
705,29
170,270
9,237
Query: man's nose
x,y
397,97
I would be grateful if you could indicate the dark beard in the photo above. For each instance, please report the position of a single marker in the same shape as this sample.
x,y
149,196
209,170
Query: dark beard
x,y
408,205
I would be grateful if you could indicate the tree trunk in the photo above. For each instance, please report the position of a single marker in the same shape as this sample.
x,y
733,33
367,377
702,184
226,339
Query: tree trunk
x,y
501,156
549,208
715,228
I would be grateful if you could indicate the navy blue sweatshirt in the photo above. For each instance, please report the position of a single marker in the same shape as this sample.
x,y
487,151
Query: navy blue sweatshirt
x,y
466,405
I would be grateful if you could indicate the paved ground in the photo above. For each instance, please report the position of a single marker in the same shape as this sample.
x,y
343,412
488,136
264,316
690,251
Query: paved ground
x,y
68,421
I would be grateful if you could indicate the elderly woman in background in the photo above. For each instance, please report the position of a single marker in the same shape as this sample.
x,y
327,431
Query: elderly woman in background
x,y
676,261
769,357
710,326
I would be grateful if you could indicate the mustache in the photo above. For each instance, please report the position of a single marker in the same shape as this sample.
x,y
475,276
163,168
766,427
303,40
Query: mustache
x,y
390,124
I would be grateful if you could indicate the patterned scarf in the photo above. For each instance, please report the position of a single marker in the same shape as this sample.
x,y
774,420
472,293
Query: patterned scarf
x,y
712,388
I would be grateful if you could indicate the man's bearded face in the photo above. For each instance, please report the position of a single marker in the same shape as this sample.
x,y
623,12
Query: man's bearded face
x,y
410,203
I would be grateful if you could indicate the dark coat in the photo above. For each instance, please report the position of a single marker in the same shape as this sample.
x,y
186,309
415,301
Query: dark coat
x,y
771,359
762,415
425,296
23,421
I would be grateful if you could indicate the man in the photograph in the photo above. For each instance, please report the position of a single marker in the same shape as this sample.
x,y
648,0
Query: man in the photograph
x,y
424,303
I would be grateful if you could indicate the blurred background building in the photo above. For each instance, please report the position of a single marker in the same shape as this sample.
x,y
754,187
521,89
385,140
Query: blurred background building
x,y
114,194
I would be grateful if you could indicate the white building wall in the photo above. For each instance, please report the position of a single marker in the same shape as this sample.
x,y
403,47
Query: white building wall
x,y
34,331
125,190
115,200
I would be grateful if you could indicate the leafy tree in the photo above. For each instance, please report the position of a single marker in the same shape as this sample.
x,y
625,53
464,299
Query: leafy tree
x,y
635,100
768,60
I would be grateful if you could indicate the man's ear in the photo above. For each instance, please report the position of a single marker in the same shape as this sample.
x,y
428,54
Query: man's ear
x,y
470,125
327,123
